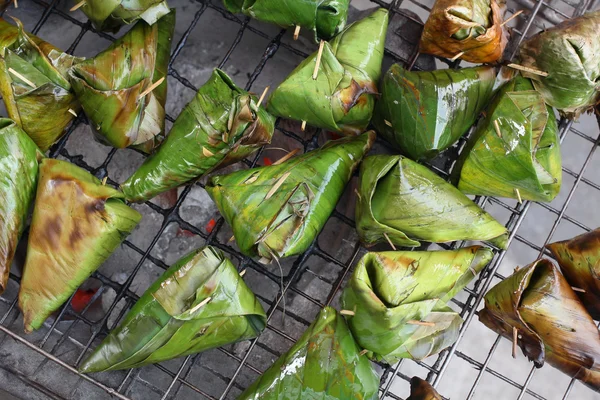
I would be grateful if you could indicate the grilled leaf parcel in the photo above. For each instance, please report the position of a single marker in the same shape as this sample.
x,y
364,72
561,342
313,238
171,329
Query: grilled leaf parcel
x,y
515,150
400,300
34,85
325,18
199,303
110,15
403,202
223,124
324,363
422,390
77,223
550,322
341,97
579,261
278,210
471,29
423,113
113,86
18,180
570,54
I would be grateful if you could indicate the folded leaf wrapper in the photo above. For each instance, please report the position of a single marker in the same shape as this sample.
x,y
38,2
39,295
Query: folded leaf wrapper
x,y
390,289
19,159
323,364
579,260
472,27
223,124
277,211
173,318
430,110
422,390
110,15
570,54
325,18
109,86
552,323
342,96
403,202
41,104
77,223
521,153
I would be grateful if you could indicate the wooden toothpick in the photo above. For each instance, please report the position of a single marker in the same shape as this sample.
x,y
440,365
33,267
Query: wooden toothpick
x,y
151,88
104,180
348,312
231,239
21,77
303,126
527,69
277,185
72,112
518,196
421,323
200,305
296,32
456,57
497,127
515,338
578,289
286,157
16,4
515,15
318,63
77,6
262,96
389,240
243,273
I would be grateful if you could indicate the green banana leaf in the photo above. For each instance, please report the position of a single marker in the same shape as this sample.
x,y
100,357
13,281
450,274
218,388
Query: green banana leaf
x,y
325,18
278,210
173,318
570,54
325,363
18,179
342,97
403,202
77,223
524,156
422,390
579,260
471,27
42,103
552,325
110,15
223,124
423,113
109,86
390,290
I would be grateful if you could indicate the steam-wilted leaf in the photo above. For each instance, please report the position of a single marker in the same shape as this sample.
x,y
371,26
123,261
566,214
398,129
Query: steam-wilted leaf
x,y
110,15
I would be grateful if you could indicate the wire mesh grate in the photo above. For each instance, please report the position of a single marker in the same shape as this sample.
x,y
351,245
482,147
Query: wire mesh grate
x,y
294,292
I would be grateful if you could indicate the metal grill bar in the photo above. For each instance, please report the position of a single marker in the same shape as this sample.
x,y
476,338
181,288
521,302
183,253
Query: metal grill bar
x,y
181,377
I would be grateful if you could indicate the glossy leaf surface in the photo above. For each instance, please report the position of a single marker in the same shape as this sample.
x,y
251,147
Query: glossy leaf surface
x,y
110,15
422,390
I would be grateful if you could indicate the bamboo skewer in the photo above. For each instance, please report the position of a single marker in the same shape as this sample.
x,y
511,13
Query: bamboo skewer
x,y
104,180
72,112
242,273
527,69
16,4
421,323
358,194
286,157
514,344
21,77
515,15
296,32
262,96
201,304
348,312
456,57
151,88
207,152
580,290
303,127
388,123
518,196
363,352
497,127
389,240
77,6
318,64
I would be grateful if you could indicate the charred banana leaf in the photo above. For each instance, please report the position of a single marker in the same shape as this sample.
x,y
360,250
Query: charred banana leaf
x,y
570,54
423,113
18,180
471,28
200,303
403,202
77,223
422,390
223,124
113,86
325,18
110,15
399,300
551,323
277,211
342,96
515,150
325,363
579,260
34,85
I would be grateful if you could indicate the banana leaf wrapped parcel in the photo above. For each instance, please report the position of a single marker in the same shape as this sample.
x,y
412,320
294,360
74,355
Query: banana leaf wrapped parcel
x,y
324,363
113,86
569,54
277,211
34,85
342,96
422,113
400,300
550,322
325,18
471,29
515,150
18,180
223,124
401,201
77,223
579,261
199,303
422,390
110,15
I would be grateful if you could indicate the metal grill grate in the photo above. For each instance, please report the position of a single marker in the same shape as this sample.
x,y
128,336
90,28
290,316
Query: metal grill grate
x,y
307,282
